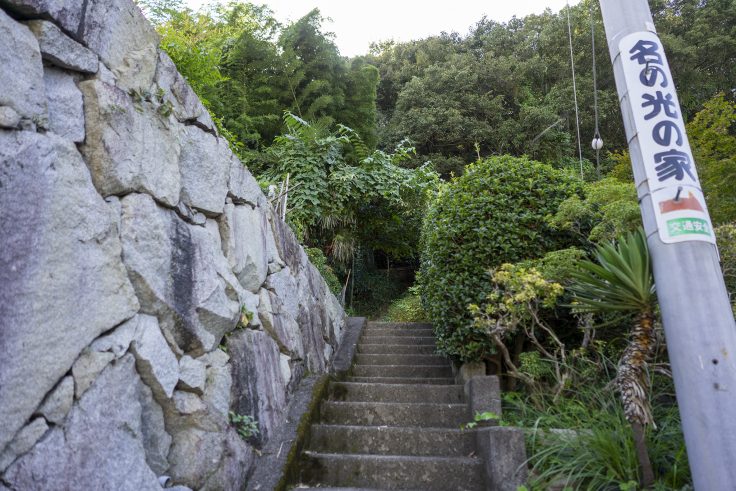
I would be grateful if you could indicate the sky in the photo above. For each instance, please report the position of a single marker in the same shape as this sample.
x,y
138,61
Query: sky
x,y
357,24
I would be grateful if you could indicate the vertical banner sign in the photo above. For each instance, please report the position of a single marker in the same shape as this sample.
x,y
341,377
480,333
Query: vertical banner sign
x,y
678,201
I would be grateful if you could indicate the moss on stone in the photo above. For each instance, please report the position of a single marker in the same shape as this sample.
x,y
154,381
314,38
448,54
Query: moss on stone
x,y
295,466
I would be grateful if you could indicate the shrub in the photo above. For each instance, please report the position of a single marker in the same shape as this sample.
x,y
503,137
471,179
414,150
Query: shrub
x,y
609,209
557,266
492,214
513,309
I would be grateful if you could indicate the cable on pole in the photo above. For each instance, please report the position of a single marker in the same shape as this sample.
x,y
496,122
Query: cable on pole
x,y
597,142
574,90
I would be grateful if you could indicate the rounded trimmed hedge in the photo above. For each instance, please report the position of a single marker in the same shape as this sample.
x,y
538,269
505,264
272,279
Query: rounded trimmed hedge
x,y
493,214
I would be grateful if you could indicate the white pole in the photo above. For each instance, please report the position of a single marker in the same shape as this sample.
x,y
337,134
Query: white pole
x,y
697,316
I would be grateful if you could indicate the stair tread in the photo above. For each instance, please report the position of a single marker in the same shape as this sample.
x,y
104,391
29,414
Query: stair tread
x,y
429,429
399,471
379,434
390,349
404,380
414,371
350,383
398,365
370,392
346,489
400,359
394,458
402,324
399,332
453,404
368,337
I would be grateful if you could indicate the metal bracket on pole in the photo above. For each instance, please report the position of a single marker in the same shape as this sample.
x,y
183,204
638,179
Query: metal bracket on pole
x,y
696,312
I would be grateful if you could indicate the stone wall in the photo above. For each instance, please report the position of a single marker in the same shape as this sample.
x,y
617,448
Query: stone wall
x,y
134,246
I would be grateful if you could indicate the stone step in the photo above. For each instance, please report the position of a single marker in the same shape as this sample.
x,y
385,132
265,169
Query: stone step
x,y
409,349
384,440
400,340
396,471
408,333
431,371
394,414
399,359
367,392
329,488
398,325
403,380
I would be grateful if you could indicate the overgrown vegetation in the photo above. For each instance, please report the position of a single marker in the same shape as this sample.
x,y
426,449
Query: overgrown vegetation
x,y
377,151
583,440
407,308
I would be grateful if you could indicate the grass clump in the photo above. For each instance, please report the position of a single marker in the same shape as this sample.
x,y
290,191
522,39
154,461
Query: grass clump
x,y
407,308
583,441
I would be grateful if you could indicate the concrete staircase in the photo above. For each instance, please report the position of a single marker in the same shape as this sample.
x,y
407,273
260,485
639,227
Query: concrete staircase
x,y
395,422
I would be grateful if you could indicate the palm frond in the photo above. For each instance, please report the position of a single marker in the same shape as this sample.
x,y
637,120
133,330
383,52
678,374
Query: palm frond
x,y
621,279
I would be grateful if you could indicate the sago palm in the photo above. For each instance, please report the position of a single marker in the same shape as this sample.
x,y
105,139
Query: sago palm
x,y
621,281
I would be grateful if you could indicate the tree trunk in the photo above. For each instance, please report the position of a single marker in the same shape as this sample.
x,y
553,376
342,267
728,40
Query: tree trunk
x,y
646,477
518,349
633,383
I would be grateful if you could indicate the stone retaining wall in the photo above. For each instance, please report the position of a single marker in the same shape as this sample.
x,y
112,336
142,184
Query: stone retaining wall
x,y
132,242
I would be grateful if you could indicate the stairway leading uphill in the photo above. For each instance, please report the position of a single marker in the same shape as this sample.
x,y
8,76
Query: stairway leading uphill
x,y
395,422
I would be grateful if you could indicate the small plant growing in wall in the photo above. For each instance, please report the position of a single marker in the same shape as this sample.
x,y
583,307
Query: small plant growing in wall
x,y
246,316
139,96
481,419
245,424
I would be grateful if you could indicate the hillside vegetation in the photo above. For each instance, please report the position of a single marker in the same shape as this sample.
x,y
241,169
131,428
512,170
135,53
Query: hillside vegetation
x,y
456,157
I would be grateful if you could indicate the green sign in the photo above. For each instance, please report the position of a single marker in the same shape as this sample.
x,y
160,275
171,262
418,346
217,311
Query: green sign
x,y
687,226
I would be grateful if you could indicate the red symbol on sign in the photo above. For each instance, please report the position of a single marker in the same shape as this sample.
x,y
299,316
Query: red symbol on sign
x,y
689,203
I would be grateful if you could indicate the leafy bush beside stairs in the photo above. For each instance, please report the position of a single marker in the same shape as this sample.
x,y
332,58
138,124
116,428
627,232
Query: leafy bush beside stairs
x,y
493,214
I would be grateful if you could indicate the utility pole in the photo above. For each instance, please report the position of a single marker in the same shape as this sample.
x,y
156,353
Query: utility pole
x,y
697,316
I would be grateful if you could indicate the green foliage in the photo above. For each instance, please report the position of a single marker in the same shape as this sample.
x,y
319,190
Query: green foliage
x,y
726,237
246,316
583,441
343,195
492,214
246,425
620,280
713,137
608,209
359,112
531,363
317,74
621,168
195,43
502,89
507,87
481,419
373,291
513,311
318,259
407,308
556,266
247,68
